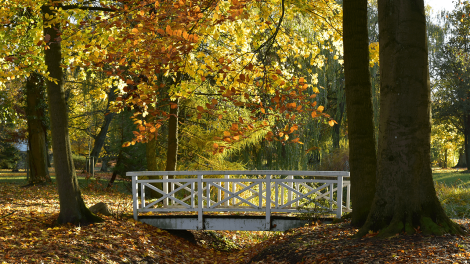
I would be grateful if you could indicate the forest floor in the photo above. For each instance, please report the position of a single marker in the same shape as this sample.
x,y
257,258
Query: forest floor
x,y
28,234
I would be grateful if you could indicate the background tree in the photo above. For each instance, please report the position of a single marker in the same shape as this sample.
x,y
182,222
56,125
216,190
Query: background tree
x,y
37,133
405,198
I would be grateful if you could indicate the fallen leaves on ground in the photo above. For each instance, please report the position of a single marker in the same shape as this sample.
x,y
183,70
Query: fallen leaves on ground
x,y
28,234
332,243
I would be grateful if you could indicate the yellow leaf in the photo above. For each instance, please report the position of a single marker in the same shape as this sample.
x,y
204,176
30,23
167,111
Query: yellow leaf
x,y
320,108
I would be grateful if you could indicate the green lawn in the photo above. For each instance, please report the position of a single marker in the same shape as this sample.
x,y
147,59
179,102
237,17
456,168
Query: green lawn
x,y
452,177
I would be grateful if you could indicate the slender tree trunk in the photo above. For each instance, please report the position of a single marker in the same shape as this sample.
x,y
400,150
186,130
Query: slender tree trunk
x,y
172,152
467,139
362,152
72,207
405,199
101,137
35,101
445,158
152,165
337,127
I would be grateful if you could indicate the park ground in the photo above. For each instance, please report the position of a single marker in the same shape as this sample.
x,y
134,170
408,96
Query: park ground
x,y
28,233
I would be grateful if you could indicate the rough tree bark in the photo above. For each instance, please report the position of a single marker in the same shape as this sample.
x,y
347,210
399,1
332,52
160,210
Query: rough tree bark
x,y
405,199
362,152
72,207
35,116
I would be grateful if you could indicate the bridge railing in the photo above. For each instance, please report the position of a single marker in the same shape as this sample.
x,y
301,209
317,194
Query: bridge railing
x,y
265,191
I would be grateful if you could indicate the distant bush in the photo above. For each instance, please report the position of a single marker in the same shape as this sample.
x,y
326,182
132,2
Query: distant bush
x,y
79,162
9,155
336,160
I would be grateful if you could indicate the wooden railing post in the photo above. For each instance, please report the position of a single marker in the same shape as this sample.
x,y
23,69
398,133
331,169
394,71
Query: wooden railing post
x,y
135,196
268,202
200,223
227,186
165,189
339,197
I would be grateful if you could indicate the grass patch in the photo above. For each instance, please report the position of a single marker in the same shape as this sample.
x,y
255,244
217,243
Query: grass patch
x,y
453,190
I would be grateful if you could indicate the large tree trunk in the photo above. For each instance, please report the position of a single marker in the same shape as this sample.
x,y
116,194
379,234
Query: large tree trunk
x,y
72,206
35,115
405,199
362,152
101,137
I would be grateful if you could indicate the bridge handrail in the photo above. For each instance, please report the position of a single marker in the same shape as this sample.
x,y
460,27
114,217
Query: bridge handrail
x,y
189,184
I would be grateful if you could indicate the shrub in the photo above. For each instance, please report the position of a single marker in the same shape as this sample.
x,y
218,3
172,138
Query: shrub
x,y
79,162
336,160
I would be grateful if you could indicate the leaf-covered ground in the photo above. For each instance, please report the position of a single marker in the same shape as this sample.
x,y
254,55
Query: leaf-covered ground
x,y
28,234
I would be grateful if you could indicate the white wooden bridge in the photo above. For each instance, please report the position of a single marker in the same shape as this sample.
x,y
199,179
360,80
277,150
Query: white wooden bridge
x,y
199,195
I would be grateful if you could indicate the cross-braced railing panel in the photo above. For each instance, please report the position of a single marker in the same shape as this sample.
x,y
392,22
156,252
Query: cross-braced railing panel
x,y
265,191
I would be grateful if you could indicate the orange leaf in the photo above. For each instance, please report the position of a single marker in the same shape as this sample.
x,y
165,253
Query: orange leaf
x,y
200,108
215,145
135,30
226,133
236,137
127,144
111,39
214,101
314,114
320,108
220,116
301,80
203,78
263,111
152,129
332,122
313,96
221,60
234,127
240,119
